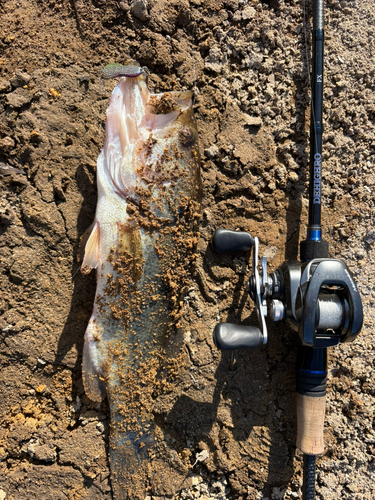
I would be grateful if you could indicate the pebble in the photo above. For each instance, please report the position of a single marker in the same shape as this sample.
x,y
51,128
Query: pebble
x,y
360,253
201,456
370,237
41,452
138,9
19,98
20,79
248,13
253,121
4,85
293,176
100,427
212,151
123,6
7,144
2,495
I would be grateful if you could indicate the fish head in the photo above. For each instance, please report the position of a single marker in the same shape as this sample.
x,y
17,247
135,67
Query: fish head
x,y
151,144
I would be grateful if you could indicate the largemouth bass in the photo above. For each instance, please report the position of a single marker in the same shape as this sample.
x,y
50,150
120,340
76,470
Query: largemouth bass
x,y
141,244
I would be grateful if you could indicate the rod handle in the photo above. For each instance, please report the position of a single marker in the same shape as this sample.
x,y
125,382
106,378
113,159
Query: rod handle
x,y
310,424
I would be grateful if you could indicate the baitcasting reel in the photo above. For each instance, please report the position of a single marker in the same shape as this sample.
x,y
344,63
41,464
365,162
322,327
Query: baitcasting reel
x,y
317,299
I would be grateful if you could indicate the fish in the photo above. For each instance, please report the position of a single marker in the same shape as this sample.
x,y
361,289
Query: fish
x,y
142,245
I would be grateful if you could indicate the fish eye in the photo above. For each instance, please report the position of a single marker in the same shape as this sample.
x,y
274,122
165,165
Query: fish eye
x,y
187,136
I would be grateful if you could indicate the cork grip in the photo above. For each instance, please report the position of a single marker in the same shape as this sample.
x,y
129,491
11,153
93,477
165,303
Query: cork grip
x,y
310,424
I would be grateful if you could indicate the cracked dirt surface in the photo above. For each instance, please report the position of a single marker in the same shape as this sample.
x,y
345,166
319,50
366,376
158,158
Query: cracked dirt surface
x,y
247,61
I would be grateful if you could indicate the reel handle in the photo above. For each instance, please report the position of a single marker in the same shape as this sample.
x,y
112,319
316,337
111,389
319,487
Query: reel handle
x,y
225,240
226,335
229,336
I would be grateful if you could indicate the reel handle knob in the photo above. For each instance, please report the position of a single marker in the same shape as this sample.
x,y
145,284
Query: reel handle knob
x,y
225,240
229,336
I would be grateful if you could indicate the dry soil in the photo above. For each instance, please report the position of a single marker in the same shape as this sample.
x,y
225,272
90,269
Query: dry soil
x,y
248,63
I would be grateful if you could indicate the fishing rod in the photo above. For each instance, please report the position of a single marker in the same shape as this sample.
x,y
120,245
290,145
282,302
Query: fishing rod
x,y
316,297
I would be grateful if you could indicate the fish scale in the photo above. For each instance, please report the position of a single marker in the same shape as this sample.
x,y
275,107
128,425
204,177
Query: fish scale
x,y
141,244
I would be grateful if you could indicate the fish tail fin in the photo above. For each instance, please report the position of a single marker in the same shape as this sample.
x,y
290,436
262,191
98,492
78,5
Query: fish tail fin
x,y
129,479
136,470
91,373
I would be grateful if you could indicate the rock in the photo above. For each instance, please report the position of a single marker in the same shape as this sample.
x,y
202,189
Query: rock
x,y
215,60
123,6
252,121
138,9
4,85
212,151
360,253
19,98
293,176
100,427
41,452
201,456
248,13
2,495
7,144
370,237
20,79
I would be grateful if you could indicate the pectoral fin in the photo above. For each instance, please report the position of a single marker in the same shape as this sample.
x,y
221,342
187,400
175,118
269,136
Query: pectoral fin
x,y
90,241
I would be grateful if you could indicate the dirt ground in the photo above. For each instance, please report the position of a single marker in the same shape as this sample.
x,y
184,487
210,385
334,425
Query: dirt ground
x,y
248,64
